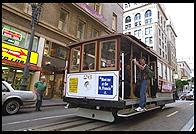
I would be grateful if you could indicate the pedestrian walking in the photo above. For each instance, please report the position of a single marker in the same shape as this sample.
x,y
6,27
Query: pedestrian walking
x,y
39,89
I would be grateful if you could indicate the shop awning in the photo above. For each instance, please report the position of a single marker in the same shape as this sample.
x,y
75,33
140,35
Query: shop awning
x,y
20,65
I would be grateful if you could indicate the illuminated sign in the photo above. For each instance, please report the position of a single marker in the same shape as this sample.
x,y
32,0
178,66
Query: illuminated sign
x,y
11,34
16,54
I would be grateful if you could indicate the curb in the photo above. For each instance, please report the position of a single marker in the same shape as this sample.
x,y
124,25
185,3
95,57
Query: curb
x,y
49,105
54,105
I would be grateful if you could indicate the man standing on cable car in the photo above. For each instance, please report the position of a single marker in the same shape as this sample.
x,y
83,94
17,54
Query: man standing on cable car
x,y
144,67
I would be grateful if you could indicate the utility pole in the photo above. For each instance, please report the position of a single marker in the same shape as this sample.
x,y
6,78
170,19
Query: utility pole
x,y
36,10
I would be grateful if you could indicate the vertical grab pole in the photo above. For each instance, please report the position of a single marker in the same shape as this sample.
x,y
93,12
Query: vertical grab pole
x,y
135,73
122,76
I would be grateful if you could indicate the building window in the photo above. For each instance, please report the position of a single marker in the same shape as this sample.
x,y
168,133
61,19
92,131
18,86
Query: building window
x,y
128,33
95,33
148,30
63,20
80,30
160,42
148,21
126,5
137,19
137,16
148,40
148,13
114,22
165,40
128,26
165,48
161,19
127,19
158,16
160,51
162,36
97,7
138,23
138,32
164,25
163,54
58,51
28,9
159,32
162,45
47,48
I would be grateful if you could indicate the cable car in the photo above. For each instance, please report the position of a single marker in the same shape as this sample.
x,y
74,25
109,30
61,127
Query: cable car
x,y
96,79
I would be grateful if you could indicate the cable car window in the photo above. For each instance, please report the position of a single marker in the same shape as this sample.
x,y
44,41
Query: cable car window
x,y
89,57
108,55
75,59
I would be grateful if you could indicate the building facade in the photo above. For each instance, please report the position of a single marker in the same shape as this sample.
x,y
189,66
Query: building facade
x,y
147,22
185,71
59,25
171,42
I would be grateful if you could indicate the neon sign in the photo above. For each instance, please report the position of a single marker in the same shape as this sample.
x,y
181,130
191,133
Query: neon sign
x,y
11,34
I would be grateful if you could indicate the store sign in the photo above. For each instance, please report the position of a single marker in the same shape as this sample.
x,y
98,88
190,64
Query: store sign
x,y
12,35
166,87
17,54
92,11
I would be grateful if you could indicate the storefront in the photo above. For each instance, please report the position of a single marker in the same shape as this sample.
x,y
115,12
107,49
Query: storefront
x,y
53,67
14,54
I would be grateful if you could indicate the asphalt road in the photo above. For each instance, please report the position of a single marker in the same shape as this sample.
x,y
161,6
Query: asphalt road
x,y
173,118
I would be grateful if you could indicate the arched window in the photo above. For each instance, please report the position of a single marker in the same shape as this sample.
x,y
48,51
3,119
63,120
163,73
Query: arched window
x,y
137,16
148,13
127,19
137,19
148,16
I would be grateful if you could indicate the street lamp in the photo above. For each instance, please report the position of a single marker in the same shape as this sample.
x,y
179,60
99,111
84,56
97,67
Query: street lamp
x,y
36,10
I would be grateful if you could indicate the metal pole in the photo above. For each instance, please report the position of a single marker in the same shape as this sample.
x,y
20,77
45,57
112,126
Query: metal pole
x,y
36,9
135,73
123,76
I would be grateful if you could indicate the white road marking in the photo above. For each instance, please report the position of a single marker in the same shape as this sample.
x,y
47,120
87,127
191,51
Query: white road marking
x,y
172,114
191,104
49,117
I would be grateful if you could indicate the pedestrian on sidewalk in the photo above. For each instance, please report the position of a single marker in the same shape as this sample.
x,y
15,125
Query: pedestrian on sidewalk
x,y
39,89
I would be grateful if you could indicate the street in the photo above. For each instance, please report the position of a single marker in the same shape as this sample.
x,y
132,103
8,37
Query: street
x,y
174,117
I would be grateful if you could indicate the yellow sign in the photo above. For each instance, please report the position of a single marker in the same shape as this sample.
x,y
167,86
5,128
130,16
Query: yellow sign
x,y
17,54
73,85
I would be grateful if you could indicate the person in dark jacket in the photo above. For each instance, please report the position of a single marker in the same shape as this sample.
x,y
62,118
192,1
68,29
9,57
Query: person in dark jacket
x,y
144,77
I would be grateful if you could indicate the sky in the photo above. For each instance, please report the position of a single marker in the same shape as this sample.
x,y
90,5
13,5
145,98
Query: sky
x,y
182,16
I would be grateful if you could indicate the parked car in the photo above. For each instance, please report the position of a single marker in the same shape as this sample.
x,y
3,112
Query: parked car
x,y
13,100
188,96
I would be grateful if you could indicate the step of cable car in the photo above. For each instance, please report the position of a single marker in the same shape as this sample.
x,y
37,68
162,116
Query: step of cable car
x,y
131,112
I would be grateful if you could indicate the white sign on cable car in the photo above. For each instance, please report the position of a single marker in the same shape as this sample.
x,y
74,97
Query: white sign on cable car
x,y
93,85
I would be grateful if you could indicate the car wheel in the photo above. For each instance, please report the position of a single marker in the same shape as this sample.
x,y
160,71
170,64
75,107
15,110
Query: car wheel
x,y
11,107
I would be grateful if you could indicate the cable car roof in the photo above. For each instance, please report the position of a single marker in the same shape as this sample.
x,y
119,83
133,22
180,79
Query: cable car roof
x,y
129,37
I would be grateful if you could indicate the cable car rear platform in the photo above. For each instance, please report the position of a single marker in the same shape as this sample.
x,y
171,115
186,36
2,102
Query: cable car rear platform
x,y
85,102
